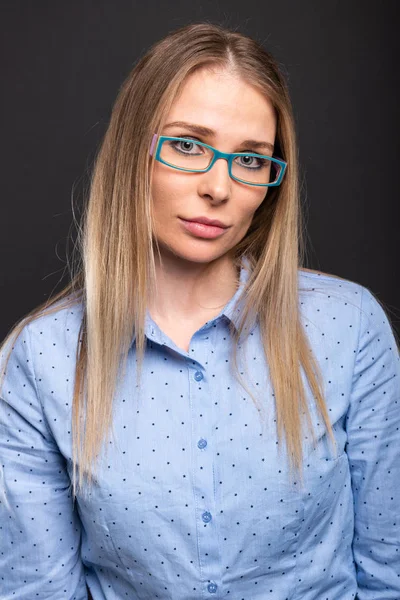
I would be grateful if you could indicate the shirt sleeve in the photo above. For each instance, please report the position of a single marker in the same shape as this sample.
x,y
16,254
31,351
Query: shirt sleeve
x,y
40,531
373,449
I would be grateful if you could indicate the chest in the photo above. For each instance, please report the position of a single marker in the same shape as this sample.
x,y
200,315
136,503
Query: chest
x,y
191,462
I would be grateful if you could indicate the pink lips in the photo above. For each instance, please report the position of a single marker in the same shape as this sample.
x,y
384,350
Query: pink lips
x,y
204,228
206,221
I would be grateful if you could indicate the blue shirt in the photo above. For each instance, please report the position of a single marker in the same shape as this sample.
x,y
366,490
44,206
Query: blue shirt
x,y
192,499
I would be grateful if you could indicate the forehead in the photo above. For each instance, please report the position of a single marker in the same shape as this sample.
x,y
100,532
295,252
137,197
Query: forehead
x,y
225,103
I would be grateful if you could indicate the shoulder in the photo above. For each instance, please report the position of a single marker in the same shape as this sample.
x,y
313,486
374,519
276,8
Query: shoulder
x,y
338,292
329,296
56,333
329,286
52,333
339,307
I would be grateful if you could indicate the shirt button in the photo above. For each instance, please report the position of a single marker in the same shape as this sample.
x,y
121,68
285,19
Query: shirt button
x,y
212,588
206,516
198,376
202,443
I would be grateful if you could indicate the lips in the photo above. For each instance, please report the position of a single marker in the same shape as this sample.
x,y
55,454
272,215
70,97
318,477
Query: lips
x,y
206,221
204,230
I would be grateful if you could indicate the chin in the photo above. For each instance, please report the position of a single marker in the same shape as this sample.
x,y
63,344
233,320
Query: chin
x,y
197,255
199,258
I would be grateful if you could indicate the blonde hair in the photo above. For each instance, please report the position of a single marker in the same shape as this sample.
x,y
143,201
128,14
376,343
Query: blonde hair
x,y
115,271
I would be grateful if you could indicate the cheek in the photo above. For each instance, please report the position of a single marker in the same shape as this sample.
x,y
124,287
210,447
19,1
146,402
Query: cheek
x,y
168,192
251,203
160,188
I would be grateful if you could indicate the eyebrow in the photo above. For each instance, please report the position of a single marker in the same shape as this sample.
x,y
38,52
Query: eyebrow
x,y
205,131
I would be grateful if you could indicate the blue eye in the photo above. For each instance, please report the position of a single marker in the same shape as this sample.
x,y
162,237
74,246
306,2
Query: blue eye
x,y
262,163
181,146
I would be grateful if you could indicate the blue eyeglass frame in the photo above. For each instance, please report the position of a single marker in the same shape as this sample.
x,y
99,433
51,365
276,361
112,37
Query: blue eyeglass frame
x,y
228,156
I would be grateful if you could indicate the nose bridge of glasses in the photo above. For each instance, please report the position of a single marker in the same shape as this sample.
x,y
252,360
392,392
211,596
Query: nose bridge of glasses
x,y
218,154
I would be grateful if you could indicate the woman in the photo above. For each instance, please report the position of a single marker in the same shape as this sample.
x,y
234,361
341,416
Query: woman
x,y
252,403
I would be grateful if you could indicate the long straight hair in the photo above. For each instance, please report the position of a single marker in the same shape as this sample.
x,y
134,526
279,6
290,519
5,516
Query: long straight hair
x,y
114,272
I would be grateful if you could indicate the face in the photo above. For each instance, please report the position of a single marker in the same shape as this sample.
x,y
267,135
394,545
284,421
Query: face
x,y
234,111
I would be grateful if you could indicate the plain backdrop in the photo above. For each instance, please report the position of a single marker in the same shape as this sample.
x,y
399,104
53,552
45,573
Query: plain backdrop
x,y
62,64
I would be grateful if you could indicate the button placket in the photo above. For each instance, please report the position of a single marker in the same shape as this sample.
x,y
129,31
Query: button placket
x,y
202,410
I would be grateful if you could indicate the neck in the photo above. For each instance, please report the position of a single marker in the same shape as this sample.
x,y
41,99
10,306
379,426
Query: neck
x,y
191,291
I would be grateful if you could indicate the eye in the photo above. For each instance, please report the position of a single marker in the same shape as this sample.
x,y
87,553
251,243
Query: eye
x,y
186,146
253,162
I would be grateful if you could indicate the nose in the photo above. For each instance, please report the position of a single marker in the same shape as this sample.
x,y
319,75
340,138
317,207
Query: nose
x,y
216,183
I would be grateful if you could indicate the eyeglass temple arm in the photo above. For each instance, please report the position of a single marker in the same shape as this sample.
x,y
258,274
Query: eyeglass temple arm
x,y
153,143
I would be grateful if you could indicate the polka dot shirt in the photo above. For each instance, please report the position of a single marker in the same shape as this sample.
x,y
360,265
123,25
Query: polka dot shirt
x,y
192,499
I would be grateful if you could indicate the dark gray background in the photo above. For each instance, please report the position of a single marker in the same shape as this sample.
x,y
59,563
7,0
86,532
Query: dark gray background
x,y
62,65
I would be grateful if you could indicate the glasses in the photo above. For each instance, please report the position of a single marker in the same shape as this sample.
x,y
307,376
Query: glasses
x,y
186,154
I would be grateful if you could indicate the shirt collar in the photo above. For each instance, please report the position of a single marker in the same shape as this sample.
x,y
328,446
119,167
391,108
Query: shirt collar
x,y
233,308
